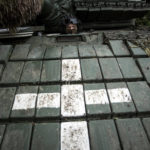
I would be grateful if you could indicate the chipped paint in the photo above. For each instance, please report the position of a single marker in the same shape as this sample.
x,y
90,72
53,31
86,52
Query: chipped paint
x,y
96,97
119,95
72,100
74,136
24,101
48,100
71,70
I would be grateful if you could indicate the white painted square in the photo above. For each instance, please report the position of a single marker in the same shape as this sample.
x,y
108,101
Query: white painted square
x,y
96,97
72,100
119,95
74,136
48,100
24,101
71,70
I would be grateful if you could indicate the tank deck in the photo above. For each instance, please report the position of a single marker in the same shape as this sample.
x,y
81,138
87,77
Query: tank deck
x,y
77,95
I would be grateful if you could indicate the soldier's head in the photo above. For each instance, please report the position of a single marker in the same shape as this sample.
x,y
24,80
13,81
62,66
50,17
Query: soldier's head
x,y
71,28
71,25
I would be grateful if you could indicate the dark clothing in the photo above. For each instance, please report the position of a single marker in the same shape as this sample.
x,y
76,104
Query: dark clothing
x,y
54,14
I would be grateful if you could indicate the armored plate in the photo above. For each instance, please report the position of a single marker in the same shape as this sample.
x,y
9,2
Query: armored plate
x,y
86,94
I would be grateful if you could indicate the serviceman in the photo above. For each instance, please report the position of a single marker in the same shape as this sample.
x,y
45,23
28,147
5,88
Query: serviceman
x,y
56,15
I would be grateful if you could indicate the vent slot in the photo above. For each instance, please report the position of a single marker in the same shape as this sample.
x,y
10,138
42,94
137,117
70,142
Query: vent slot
x,y
70,38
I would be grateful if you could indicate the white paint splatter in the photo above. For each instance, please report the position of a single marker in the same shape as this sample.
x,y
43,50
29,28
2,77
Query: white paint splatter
x,y
24,101
120,95
74,136
72,103
96,97
71,70
48,100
